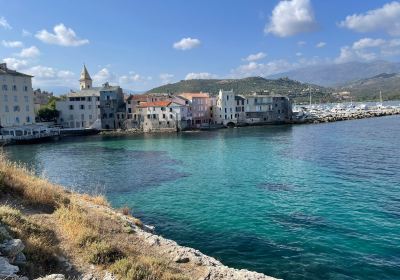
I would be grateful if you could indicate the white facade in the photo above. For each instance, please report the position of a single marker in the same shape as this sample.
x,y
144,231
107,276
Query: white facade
x,y
225,110
80,110
16,98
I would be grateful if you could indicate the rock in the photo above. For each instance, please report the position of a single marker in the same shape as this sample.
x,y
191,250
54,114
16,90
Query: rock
x,y
7,271
19,259
181,259
89,276
109,276
4,235
52,277
12,247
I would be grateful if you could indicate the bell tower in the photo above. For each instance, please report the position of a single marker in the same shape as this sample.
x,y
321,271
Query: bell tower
x,y
85,81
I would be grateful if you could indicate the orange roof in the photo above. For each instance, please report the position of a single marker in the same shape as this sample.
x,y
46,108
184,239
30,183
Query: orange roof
x,y
155,104
191,95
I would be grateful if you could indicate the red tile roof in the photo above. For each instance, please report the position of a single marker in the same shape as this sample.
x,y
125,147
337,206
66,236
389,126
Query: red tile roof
x,y
155,104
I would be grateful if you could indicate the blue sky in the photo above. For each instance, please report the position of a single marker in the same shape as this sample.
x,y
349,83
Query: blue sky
x,y
142,44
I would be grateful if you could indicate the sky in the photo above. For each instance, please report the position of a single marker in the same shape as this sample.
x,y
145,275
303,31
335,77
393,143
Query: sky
x,y
143,44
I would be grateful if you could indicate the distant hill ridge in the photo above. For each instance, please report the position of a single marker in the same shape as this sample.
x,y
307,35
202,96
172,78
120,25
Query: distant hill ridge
x,y
369,88
239,86
339,74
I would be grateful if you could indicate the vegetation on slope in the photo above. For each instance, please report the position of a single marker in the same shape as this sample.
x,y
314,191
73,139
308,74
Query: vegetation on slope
x,y
368,89
55,224
294,89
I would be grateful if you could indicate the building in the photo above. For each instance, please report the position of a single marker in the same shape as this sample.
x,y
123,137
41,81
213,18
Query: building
x,y
41,98
92,107
162,115
80,110
16,98
200,104
261,108
112,107
224,112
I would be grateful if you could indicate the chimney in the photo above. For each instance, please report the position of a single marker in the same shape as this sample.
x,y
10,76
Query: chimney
x,y
3,66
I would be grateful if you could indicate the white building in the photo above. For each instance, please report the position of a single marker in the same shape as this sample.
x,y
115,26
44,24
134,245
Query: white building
x,y
81,109
224,112
16,98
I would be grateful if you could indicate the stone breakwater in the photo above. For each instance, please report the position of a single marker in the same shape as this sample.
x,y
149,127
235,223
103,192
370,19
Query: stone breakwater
x,y
323,116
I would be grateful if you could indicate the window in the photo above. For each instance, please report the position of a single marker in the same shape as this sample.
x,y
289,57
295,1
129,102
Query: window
x,y
170,109
14,88
163,116
89,99
225,110
26,99
171,116
16,108
4,87
5,98
227,97
82,116
111,115
28,119
17,119
90,117
90,107
15,98
25,88
27,108
82,107
6,109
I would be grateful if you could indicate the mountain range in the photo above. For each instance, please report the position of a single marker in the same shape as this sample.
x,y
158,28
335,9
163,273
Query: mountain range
x,y
333,75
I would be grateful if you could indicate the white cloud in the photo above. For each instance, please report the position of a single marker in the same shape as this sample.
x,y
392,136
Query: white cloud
x,y
132,77
166,78
386,18
4,23
291,17
261,69
104,75
368,43
49,76
62,36
320,45
301,43
299,54
255,57
29,52
26,33
186,44
12,44
15,63
368,49
202,75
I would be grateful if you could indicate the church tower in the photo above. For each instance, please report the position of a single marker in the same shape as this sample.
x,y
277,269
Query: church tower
x,y
85,81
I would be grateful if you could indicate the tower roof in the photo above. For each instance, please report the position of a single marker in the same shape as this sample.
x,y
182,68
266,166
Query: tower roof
x,y
85,74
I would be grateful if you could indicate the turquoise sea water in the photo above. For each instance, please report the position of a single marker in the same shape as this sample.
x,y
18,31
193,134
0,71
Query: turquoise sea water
x,y
295,202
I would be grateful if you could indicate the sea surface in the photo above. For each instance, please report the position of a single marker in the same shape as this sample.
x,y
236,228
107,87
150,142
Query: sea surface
x,y
295,202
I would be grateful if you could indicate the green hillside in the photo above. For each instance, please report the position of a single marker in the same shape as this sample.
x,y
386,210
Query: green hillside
x,y
285,86
368,89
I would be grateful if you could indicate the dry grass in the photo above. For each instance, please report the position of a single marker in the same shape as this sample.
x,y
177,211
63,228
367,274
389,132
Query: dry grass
x,y
89,235
40,243
19,179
